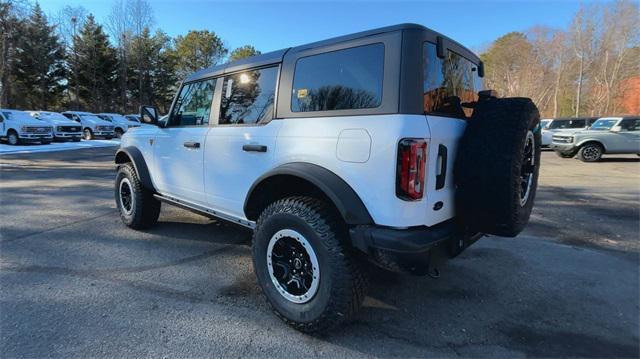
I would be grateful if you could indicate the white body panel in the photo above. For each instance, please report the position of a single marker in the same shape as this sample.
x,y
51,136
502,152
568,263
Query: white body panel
x,y
361,150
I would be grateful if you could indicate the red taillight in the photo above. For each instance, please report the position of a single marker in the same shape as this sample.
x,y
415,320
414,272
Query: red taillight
x,y
412,157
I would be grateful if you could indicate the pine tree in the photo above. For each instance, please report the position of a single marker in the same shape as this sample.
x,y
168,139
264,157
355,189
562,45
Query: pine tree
x,y
95,69
39,70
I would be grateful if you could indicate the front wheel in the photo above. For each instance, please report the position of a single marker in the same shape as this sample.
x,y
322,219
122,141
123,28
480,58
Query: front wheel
x,y
13,138
591,152
87,134
138,208
306,271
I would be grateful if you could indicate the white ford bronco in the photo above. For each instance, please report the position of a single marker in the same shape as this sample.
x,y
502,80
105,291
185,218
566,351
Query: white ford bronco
x,y
607,135
18,127
372,147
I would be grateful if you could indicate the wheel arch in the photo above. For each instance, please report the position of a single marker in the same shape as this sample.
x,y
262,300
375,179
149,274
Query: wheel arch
x,y
133,155
300,178
591,140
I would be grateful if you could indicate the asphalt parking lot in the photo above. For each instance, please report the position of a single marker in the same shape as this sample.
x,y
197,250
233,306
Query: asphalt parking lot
x,y
75,282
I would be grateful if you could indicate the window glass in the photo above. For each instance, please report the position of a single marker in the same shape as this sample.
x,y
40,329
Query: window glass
x,y
248,97
449,83
603,124
630,124
339,80
193,105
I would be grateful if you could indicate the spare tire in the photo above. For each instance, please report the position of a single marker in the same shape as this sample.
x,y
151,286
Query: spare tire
x,y
497,166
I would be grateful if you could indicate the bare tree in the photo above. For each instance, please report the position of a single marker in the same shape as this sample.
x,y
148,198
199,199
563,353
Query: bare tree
x,y
120,27
141,18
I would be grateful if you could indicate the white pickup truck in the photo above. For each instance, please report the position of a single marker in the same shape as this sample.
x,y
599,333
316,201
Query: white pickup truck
x,y
18,127
63,128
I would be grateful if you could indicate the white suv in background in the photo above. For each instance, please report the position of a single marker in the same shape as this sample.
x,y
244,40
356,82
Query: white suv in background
x,y
18,127
336,153
63,128
565,125
92,125
608,135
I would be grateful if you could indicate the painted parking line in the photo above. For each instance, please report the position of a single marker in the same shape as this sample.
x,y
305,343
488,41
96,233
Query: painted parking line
x,y
56,146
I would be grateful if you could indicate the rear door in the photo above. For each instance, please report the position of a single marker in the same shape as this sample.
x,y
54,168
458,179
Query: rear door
x,y
240,146
179,147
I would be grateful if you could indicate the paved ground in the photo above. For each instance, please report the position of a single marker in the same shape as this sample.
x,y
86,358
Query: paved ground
x,y
5,148
74,282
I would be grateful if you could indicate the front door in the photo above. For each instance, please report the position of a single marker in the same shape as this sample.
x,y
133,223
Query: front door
x,y
240,147
630,132
179,146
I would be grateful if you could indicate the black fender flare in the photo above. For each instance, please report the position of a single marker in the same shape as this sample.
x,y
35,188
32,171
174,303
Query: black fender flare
x,y
135,157
345,199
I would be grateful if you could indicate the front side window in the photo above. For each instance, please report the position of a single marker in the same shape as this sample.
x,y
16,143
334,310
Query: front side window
x,y
248,97
450,84
193,105
339,80
603,125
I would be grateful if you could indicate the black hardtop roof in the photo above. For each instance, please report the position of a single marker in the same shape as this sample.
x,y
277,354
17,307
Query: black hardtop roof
x,y
277,56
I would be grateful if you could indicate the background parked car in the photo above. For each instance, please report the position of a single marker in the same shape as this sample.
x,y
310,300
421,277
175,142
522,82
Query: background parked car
x,y
607,135
565,125
121,123
92,125
63,128
18,127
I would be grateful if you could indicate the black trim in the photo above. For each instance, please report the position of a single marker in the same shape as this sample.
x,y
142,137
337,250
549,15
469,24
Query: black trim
x,y
410,240
254,148
345,199
441,177
139,164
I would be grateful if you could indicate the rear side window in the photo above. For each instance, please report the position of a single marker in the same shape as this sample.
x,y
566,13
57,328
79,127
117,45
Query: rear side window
x,y
449,83
193,106
630,124
248,97
339,80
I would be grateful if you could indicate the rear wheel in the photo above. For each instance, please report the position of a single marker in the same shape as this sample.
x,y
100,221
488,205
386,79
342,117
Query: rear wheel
x,y
305,268
497,170
87,134
138,208
13,138
590,152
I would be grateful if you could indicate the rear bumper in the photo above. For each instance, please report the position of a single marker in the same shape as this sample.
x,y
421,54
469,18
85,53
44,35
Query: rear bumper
x,y
415,250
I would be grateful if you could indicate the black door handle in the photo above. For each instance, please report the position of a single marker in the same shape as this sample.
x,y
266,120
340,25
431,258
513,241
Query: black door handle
x,y
442,175
254,148
192,144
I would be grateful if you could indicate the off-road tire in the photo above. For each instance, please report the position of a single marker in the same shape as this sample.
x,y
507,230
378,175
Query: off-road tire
x,y
13,138
590,152
342,284
490,162
565,155
145,208
87,134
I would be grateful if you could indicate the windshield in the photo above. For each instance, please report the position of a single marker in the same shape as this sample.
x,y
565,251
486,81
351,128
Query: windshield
x,y
603,125
17,115
52,116
544,123
90,117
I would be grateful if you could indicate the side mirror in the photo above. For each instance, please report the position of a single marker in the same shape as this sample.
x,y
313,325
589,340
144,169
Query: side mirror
x,y
149,114
616,129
